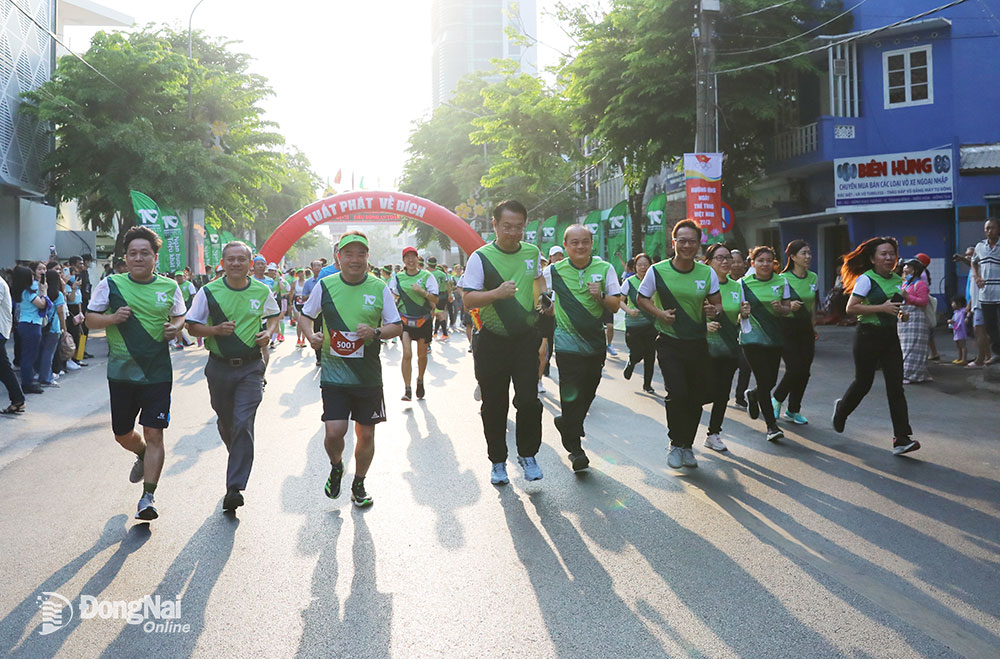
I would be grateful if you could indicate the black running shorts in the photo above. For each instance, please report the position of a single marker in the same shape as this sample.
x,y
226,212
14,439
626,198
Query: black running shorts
x,y
365,405
150,402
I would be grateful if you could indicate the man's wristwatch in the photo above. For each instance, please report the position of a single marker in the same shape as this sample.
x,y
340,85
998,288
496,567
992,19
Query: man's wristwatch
x,y
378,332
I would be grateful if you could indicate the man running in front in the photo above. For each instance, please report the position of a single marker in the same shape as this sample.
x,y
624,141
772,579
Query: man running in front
x,y
142,312
503,279
358,311
416,294
228,313
585,288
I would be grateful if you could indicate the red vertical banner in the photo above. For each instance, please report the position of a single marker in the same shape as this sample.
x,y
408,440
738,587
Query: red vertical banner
x,y
703,183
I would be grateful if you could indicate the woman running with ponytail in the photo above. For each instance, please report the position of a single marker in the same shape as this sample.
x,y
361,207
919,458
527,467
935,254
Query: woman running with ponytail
x,y
768,296
876,297
723,339
640,333
800,331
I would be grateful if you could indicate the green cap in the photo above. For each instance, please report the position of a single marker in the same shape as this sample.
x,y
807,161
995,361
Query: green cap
x,y
351,238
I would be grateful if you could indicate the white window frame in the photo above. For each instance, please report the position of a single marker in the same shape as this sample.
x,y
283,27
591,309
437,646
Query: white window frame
x,y
905,52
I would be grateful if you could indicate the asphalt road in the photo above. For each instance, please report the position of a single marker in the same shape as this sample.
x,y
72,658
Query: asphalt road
x,y
822,545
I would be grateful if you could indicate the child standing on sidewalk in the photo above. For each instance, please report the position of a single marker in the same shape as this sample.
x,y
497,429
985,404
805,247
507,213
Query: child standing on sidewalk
x,y
957,325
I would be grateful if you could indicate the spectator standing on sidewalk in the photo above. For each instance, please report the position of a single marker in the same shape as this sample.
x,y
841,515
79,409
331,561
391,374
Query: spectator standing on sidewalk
x,y
6,372
986,271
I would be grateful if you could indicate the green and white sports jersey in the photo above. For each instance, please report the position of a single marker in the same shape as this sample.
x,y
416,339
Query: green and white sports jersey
x,y
347,360
488,267
579,326
246,307
411,304
726,341
442,280
802,289
137,351
764,327
875,289
684,292
630,289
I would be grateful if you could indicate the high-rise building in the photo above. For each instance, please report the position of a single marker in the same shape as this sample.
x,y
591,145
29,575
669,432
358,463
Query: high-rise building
x,y
467,34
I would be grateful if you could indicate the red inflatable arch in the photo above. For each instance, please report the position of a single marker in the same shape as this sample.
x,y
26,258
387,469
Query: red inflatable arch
x,y
341,206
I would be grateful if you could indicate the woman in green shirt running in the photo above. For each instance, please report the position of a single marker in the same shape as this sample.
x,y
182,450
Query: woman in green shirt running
x,y
800,331
876,297
768,295
640,332
723,339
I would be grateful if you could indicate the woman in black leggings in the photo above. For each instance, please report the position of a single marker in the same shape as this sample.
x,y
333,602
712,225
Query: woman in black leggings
x,y
768,296
876,298
800,331
640,333
723,339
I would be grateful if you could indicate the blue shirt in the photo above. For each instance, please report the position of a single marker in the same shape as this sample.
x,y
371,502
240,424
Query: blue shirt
x,y
331,269
310,284
29,312
53,315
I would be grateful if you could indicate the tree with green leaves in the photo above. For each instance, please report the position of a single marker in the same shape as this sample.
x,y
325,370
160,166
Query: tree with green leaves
x,y
632,83
296,186
126,125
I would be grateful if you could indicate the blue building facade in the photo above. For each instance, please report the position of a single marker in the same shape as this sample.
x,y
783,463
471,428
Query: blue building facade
x,y
897,135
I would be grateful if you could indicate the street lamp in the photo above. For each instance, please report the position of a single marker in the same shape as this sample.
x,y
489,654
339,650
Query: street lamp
x,y
190,223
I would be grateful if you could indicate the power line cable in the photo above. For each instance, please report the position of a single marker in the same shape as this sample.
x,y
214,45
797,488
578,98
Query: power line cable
x,y
860,35
763,9
56,39
790,39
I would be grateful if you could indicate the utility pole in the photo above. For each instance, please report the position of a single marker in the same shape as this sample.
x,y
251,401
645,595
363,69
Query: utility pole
x,y
706,127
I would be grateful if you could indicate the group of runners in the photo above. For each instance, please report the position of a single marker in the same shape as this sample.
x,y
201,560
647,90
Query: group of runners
x,y
698,315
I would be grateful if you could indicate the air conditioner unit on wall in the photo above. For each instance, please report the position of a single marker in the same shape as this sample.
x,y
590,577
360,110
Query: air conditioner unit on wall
x,y
840,67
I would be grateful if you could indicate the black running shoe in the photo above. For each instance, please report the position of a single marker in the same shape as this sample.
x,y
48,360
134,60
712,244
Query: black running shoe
x,y
408,394
420,389
753,409
649,390
838,420
332,488
580,461
360,497
232,500
901,445
629,368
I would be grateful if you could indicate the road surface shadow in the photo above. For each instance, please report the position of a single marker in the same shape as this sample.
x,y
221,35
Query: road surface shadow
x,y
585,601
190,578
366,627
16,623
434,469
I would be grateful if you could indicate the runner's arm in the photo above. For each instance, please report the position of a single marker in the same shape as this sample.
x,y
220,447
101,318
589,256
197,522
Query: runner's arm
x,y
96,318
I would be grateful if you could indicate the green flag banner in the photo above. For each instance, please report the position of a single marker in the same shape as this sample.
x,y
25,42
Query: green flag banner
x,y
531,232
213,249
617,236
148,214
549,238
655,240
593,222
173,255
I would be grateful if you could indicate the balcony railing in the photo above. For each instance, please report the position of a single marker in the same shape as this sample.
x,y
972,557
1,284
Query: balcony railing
x,y
796,142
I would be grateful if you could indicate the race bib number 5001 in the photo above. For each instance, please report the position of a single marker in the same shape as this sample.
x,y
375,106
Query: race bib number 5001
x,y
346,345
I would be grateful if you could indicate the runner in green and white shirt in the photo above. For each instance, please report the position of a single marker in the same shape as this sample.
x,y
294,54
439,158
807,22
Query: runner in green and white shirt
x,y
800,331
358,311
585,288
503,280
416,293
228,313
142,312
674,292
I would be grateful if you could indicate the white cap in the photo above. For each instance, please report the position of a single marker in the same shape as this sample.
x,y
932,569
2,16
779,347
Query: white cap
x,y
272,266
556,249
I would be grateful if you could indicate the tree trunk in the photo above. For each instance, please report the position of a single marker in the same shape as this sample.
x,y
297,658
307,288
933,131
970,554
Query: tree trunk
x,y
635,199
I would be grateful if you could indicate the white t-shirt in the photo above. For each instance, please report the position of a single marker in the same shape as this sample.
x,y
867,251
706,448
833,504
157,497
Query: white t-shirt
x,y
988,259
6,310
863,286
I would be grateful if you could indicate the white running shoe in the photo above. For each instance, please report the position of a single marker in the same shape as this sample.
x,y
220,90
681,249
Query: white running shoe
x,y
715,442
72,365
541,387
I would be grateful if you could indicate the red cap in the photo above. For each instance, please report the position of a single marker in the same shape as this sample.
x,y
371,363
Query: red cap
x,y
407,250
923,258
